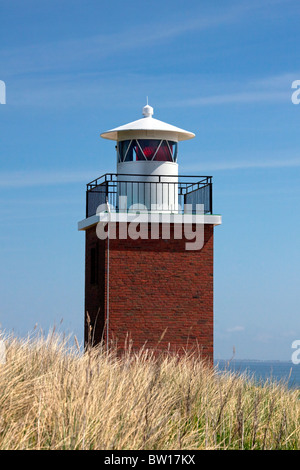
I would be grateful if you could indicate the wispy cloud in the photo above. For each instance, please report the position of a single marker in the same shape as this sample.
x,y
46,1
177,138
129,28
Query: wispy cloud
x,y
244,165
34,178
264,338
236,98
65,54
268,89
90,89
275,82
235,329
72,54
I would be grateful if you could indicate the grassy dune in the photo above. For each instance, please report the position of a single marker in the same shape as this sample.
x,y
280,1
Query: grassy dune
x,y
54,397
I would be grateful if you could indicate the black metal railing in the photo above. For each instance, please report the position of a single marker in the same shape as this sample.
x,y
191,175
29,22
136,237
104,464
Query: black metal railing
x,y
166,191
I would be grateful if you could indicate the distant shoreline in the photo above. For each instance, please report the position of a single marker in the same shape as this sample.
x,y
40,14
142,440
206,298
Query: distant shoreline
x,y
275,370
257,360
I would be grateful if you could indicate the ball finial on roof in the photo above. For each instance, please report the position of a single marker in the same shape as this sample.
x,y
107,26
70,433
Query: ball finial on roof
x,y
147,110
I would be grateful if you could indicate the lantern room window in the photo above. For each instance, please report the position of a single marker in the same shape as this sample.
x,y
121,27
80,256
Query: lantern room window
x,y
147,149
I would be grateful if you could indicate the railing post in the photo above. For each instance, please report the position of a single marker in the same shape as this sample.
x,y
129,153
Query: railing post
x,y
211,196
106,194
87,203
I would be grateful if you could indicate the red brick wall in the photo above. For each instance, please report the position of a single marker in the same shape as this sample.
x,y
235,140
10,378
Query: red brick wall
x,y
155,285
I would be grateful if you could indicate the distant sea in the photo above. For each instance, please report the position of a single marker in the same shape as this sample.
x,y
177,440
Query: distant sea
x,y
286,372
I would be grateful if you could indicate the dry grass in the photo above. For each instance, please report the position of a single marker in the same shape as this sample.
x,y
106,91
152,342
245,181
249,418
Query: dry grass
x,y
54,397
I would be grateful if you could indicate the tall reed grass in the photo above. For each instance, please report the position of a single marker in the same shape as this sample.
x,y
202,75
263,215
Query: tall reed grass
x,y
52,396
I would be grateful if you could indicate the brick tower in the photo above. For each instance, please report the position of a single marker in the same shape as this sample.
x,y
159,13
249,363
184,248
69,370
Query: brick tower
x,y
149,245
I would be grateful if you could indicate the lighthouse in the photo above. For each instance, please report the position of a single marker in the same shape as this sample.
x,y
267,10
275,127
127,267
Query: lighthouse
x,y
149,245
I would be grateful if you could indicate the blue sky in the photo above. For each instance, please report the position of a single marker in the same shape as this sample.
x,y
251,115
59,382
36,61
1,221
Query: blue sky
x,y
222,70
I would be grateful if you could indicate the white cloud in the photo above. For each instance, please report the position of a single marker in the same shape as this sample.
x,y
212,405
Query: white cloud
x,y
90,89
68,53
21,179
237,98
34,178
268,89
245,164
235,329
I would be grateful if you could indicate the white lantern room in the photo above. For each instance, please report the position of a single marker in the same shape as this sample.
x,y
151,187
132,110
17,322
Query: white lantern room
x,y
147,168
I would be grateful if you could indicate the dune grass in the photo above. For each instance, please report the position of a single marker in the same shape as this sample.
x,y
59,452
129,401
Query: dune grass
x,y
54,397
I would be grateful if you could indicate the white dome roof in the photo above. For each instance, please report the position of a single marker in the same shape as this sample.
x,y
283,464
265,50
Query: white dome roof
x,y
148,123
